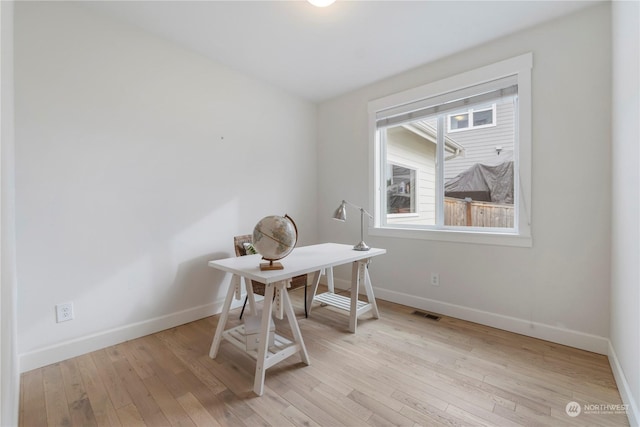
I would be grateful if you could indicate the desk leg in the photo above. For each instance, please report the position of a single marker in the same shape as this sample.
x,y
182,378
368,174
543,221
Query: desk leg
x,y
224,315
279,301
355,284
250,296
329,273
295,328
369,289
258,384
314,289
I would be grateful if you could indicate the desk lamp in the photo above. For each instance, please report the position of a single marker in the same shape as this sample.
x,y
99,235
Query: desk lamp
x,y
341,215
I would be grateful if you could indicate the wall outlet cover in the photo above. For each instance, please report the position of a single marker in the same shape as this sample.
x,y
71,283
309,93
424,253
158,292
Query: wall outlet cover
x,y
64,312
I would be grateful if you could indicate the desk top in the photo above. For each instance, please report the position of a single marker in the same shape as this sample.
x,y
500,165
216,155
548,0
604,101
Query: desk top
x,y
302,260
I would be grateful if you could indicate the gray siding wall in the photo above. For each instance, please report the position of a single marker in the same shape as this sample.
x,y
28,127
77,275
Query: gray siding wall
x,y
480,144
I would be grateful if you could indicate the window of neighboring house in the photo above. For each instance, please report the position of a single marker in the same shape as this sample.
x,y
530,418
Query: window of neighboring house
x,y
472,118
461,186
400,190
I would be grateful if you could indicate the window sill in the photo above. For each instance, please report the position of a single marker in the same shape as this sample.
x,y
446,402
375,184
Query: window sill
x,y
403,215
475,237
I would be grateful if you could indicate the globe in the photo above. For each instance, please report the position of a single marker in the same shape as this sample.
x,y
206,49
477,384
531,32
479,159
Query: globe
x,y
274,237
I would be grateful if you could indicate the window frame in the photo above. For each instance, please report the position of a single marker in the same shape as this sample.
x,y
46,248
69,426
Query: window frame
x,y
520,67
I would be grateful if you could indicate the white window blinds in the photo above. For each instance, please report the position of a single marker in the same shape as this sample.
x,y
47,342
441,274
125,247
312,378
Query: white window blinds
x,y
450,101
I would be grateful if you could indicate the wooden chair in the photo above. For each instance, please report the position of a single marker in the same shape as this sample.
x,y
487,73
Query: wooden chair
x,y
259,288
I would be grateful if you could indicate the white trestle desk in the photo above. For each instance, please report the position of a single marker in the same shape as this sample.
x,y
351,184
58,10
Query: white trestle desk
x,y
303,260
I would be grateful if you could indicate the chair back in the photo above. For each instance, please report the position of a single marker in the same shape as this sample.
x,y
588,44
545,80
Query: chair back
x,y
239,241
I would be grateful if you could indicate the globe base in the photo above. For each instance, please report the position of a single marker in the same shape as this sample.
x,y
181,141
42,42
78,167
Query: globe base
x,y
271,266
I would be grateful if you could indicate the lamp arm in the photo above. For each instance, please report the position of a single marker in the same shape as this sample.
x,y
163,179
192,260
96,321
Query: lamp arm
x,y
358,207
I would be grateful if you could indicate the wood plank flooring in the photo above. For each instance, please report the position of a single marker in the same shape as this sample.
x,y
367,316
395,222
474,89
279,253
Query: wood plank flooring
x,y
401,370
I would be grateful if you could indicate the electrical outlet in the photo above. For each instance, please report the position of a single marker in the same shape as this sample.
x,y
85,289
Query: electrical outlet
x,y
435,279
64,312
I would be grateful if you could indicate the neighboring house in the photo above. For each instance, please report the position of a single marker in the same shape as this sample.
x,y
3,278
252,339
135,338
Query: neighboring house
x,y
488,144
482,135
410,177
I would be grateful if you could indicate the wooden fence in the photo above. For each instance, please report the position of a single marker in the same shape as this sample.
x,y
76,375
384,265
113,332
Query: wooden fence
x,y
459,212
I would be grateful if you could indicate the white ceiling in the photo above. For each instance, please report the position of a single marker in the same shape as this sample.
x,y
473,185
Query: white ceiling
x,y
318,53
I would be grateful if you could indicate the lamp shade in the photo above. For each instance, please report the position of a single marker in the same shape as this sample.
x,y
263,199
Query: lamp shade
x,y
341,213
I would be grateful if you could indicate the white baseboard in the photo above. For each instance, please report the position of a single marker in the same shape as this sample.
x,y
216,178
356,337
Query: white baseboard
x,y
554,334
65,350
623,387
86,344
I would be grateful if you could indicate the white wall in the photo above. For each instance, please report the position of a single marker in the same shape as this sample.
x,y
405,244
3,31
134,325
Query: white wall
x,y
625,248
559,288
137,162
9,365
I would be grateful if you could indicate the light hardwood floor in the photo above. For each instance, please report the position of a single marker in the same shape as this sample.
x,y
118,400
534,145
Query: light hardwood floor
x,y
401,369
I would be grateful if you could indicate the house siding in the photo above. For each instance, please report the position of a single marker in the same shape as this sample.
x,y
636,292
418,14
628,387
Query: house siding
x,y
480,144
407,149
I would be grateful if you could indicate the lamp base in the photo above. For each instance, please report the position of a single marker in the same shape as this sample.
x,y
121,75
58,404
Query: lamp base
x,y
362,246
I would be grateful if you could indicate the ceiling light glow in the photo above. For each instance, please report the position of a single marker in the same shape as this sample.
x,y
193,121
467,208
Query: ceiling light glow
x,y
321,3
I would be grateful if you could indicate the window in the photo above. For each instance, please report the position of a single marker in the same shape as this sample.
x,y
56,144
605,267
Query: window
x,y
451,160
472,118
400,190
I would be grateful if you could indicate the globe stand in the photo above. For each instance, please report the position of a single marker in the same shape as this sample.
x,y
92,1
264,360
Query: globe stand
x,y
271,265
